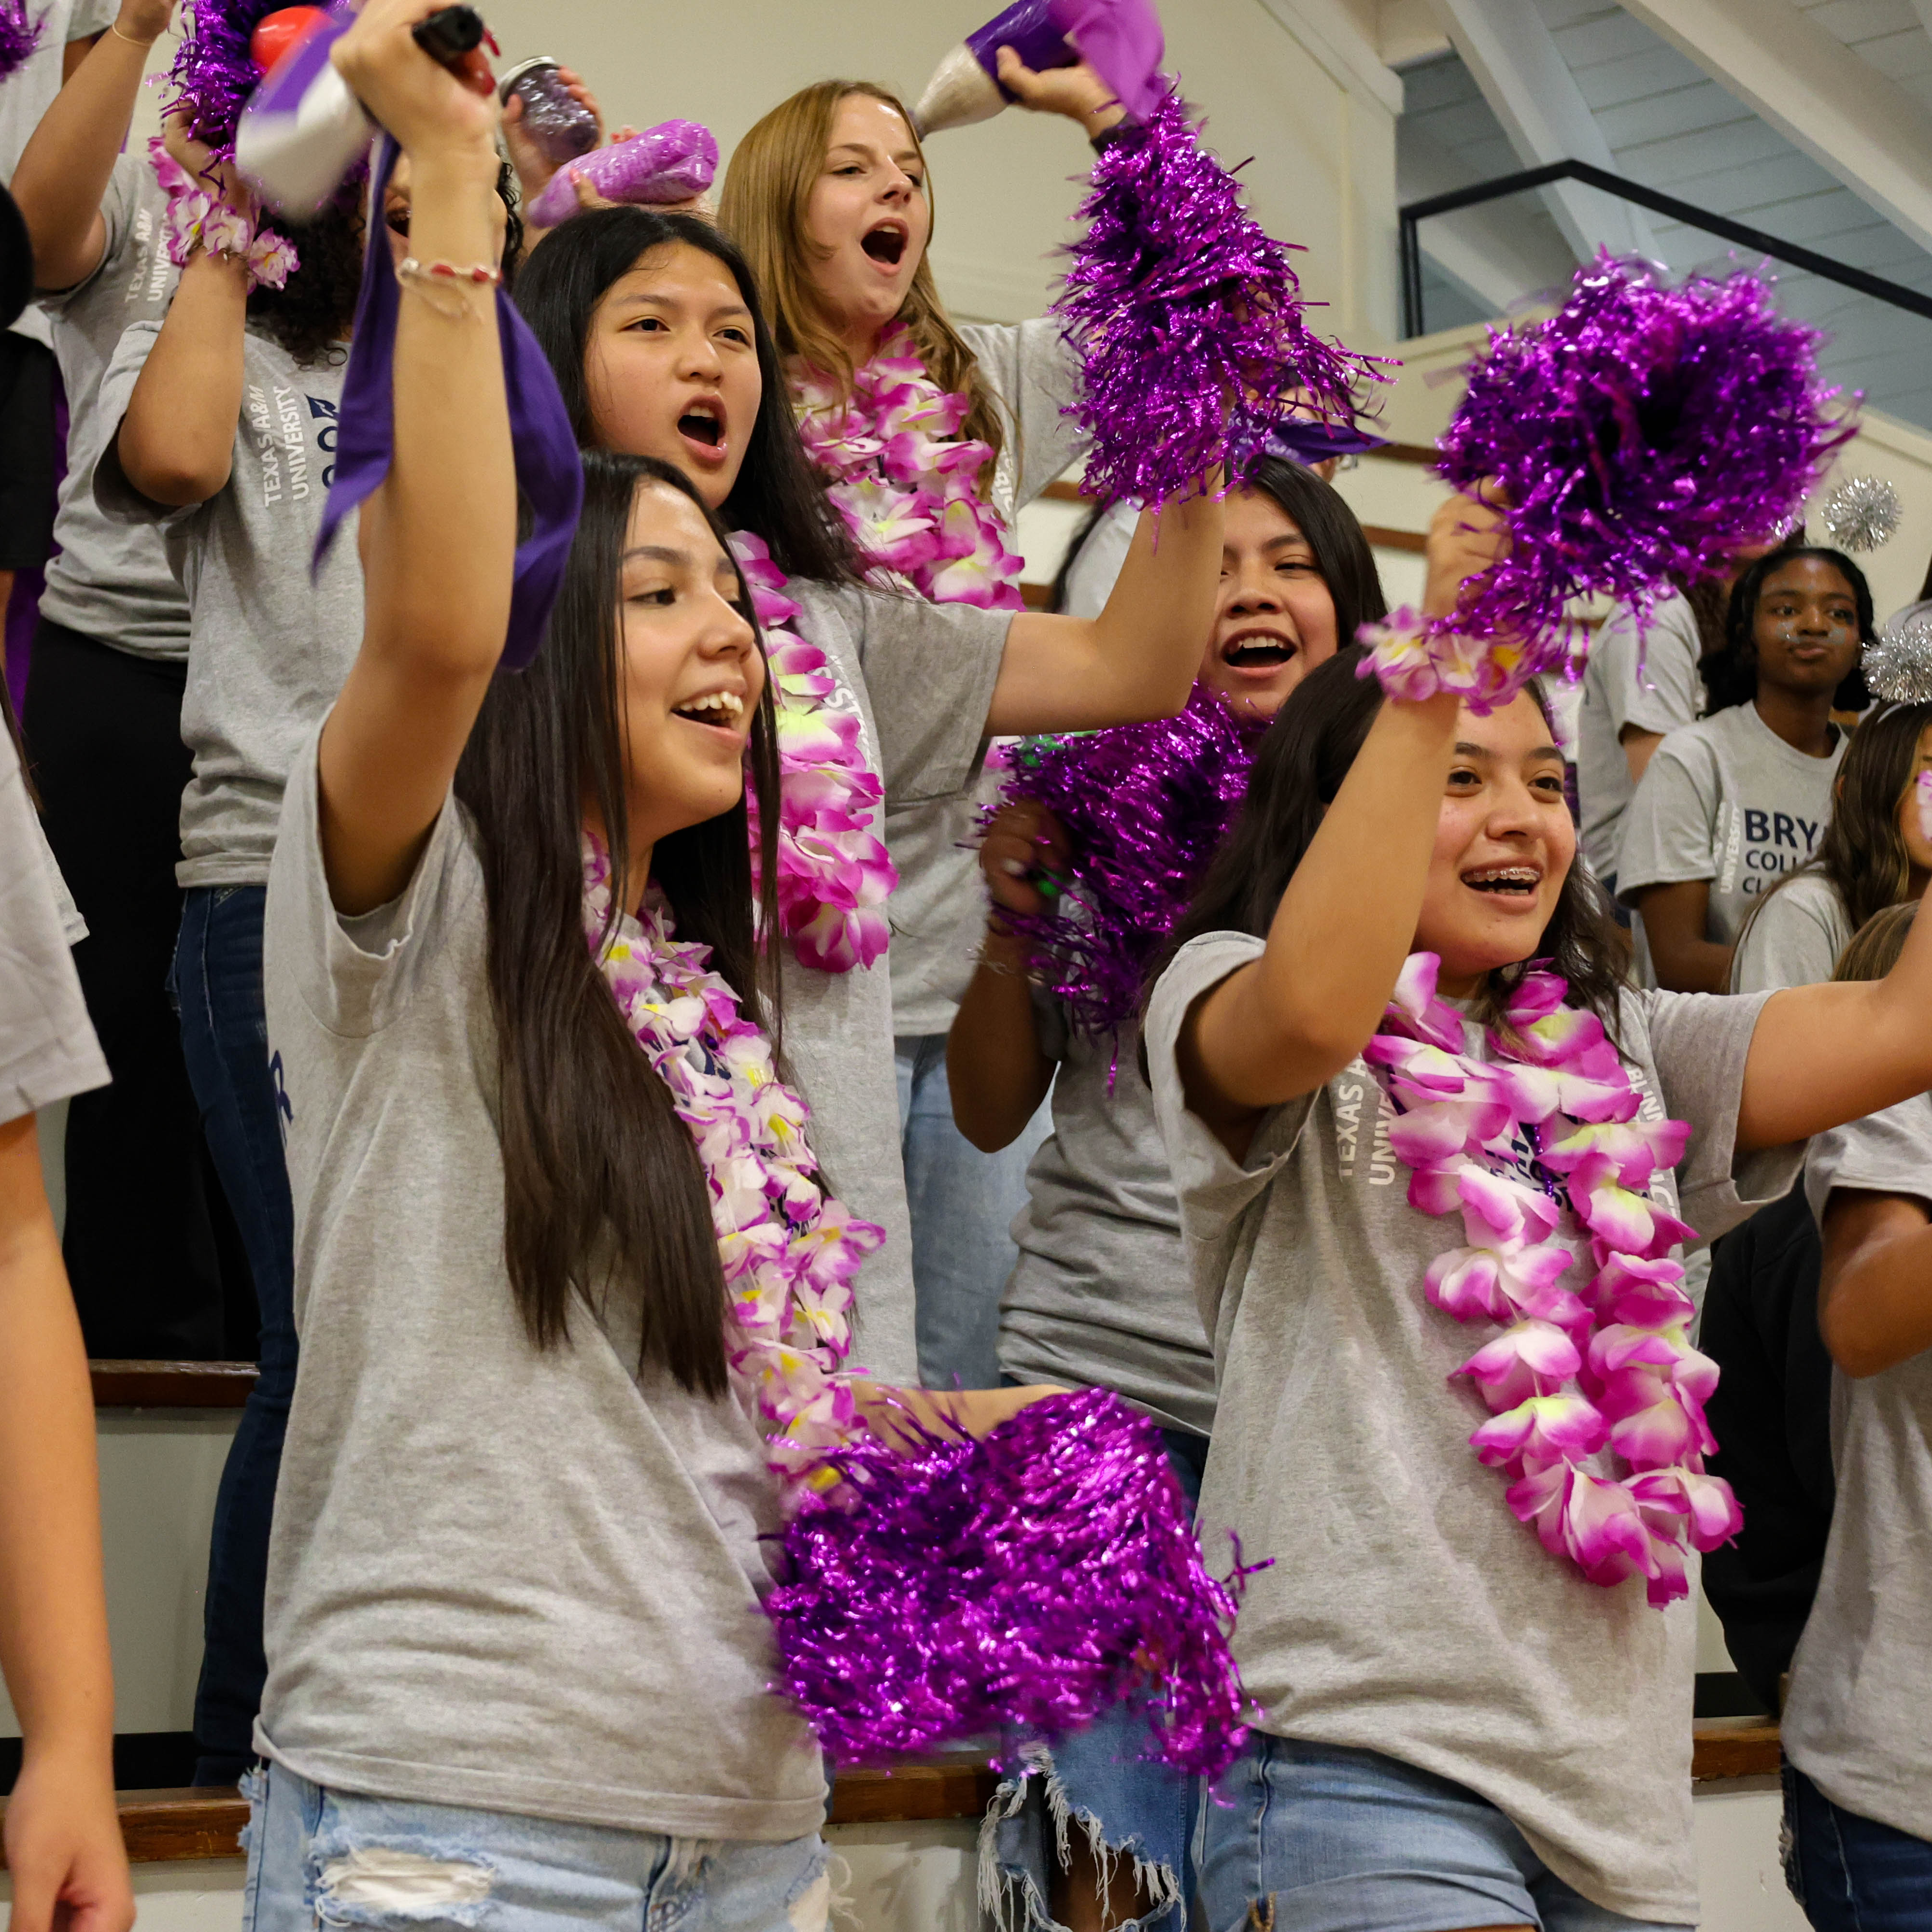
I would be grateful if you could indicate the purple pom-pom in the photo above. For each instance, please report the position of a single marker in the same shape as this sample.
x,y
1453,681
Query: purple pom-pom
x,y
1145,808
215,72
18,36
1640,435
1189,318
1032,1579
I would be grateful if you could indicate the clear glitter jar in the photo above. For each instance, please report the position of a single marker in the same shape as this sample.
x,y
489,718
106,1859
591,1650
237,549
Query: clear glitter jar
x,y
559,124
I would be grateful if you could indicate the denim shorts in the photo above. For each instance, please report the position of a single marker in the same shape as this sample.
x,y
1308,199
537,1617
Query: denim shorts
x,y
319,1858
1301,1838
1851,1873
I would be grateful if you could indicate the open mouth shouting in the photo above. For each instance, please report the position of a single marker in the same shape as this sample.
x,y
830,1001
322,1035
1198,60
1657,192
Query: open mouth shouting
x,y
885,242
1518,882
1259,651
702,425
716,710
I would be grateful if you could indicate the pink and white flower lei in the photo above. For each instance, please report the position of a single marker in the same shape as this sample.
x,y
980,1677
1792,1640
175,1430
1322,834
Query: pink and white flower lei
x,y
1415,657
196,218
905,482
789,1252
1574,1373
835,874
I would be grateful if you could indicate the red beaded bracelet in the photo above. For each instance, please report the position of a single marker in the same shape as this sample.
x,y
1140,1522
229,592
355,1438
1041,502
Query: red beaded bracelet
x,y
409,269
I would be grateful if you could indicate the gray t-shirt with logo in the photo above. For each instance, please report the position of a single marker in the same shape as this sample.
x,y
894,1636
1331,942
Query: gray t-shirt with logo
x,y
940,907
1728,800
919,677
111,580
1101,1296
1858,1720
1647,680
511,1580
268,645
48,1051
1407,1611
1795,939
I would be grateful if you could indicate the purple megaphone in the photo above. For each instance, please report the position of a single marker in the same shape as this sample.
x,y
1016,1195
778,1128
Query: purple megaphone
x,y
1119,39
676,161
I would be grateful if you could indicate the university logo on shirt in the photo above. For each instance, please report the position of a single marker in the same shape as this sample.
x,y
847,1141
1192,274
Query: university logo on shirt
x,y
1759,848
279,422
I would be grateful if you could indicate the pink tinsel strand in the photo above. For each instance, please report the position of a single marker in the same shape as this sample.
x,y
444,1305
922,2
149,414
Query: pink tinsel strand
x,y
1145,808
1188,318
1032,1579
18,36
1640,435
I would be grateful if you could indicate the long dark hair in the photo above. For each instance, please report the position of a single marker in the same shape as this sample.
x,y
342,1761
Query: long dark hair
x,y
309,315
1730,675
1862,854
603,1192
1315,738
776,496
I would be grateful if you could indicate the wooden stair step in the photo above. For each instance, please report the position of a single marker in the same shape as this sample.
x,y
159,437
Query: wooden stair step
x,y
171,1385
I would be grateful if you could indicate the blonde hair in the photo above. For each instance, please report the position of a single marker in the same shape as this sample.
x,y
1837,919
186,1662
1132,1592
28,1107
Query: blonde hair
x,y
762,208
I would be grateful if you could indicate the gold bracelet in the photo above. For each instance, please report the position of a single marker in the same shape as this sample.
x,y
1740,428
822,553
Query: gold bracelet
x,y
115,30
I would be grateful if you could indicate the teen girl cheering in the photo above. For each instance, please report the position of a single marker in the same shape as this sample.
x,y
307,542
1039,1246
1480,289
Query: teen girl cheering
x,y
828,197
652,324
1459,1727
516,1653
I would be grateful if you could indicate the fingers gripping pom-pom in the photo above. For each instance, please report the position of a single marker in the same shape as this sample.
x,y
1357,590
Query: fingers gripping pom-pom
x,y
1188,318
1638,436
1032,1579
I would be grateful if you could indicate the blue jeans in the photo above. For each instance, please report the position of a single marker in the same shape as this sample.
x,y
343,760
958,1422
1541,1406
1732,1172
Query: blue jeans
x,y
1852,1874
323,1858
216,985
962,1204
1099,1781
1324,1839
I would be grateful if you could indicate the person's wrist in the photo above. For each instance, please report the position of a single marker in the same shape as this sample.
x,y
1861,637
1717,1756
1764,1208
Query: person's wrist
x,y
453,160
135,30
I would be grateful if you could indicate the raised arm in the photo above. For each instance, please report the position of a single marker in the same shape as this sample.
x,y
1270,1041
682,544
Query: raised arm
x,y
1822,1055
63,173
63,1840
1138,658
1288,1023
995,1066
176,441
438,537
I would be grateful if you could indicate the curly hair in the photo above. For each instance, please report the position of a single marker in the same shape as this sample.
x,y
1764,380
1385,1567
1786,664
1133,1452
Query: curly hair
x,y
311,313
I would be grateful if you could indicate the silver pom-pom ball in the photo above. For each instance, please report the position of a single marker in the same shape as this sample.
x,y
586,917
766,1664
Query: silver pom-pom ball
x,y
1860,513
1898,667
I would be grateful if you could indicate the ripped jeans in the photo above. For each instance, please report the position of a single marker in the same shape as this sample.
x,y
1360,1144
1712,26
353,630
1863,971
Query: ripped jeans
x,y
321,1859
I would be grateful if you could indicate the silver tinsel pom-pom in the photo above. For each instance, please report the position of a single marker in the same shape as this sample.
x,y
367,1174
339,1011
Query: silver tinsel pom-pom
x,y
1898,667
1860,513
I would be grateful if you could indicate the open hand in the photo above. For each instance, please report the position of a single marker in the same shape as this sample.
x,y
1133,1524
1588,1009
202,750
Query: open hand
x,y
1077,91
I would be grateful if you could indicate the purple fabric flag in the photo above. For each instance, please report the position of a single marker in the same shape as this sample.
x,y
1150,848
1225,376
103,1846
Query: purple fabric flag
x,y
1121,39
549,473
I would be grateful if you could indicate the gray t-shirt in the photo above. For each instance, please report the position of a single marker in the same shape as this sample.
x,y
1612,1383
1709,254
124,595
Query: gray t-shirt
x,y
269,646
112,580
48,1051
1728,800
1665,694
920,676
1795,939
1101,1296
940,908
1407,1611
519,1581
1858,1720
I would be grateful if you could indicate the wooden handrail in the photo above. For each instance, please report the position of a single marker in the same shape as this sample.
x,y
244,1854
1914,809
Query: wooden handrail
x,y
164,1827
171,1385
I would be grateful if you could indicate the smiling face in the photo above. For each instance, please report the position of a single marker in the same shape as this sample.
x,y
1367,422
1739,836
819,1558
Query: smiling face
x,y
692,674
1805,627
867,221
1276,619
672,366
1504,842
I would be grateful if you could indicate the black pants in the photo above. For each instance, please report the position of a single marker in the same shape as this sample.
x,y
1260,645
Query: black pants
x,y
158,1271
